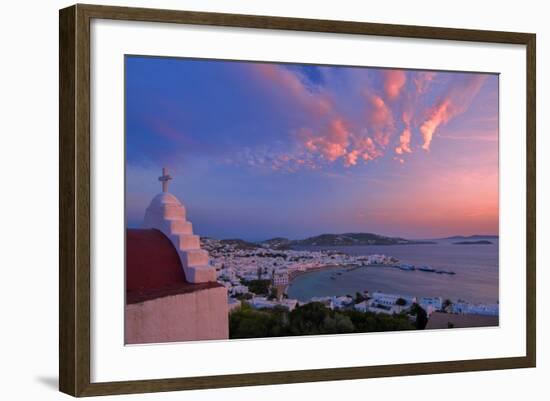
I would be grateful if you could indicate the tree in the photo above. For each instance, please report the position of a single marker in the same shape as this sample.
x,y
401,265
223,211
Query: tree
x,y
244,296
359,297
421,316
446,305
421,319
272,293
260,287
311,318
308,318
339,323
400,302
249,323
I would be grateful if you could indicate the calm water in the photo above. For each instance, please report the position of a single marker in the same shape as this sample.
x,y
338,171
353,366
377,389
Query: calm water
x,y
476,268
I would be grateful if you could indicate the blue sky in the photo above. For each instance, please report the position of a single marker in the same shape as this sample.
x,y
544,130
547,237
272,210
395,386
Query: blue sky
x,y
259,150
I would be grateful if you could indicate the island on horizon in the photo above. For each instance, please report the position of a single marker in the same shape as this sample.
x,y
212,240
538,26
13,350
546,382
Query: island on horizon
x,y
479,242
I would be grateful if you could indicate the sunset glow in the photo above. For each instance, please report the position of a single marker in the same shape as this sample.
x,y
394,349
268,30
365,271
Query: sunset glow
x,y
260,150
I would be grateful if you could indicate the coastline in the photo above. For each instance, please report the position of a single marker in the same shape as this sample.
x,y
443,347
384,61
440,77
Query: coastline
x,y
350,267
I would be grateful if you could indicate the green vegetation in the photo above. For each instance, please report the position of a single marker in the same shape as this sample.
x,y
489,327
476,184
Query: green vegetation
x,y
258,287
401,302
421,316
446,304
272,294
310,319
241,297
360,297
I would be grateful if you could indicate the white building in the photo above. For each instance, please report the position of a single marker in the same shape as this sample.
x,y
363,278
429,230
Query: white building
x,y
290,304
261,302
239,289
228,273
280,277
361,306
388,303
431,304
391,299
341,302
476,309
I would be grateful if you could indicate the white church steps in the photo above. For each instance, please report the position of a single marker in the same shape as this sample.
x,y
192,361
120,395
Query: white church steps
x,y
187,241
194,257
180,227
167,214
199,274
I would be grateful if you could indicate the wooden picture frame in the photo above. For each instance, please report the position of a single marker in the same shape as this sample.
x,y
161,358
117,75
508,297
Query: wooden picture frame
x,y
74,204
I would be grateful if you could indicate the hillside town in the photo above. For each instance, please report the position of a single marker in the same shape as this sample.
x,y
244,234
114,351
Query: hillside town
x,y
259,276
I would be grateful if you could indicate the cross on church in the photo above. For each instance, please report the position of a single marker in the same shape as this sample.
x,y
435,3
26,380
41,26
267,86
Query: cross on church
x,y
164,178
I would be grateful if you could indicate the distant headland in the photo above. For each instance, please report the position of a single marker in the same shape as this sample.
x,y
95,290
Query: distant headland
x,y
480,242
352,239
347,239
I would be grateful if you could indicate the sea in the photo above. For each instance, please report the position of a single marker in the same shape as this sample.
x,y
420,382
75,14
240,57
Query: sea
x,y
476,267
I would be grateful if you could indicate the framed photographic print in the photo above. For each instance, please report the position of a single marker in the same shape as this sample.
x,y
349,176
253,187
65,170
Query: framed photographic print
x,y
250,200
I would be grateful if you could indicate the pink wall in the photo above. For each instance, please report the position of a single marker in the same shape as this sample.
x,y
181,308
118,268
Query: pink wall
x,y
198,315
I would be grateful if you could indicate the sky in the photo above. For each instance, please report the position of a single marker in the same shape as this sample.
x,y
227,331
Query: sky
x,y
263,150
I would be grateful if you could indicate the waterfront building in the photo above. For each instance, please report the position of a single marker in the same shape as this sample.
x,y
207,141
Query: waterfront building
x,y
280,278
361,306
430,304
391,299
476,309
341,302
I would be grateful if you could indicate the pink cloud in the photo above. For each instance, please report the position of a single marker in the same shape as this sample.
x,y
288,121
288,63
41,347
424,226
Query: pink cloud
x,y
404,142
331,144
422,81
455,102
291,86
350,159
405,137
380,119
439,114
394,81
336,142
366,147
331,134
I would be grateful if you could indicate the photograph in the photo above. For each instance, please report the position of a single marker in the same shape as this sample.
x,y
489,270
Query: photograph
x,y
275,199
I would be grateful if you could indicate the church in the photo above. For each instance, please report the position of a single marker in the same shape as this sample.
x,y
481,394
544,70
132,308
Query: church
x,y
171,289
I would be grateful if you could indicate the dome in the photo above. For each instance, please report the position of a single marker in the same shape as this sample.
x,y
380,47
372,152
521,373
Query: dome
x,y
152,262
163,209
164,198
